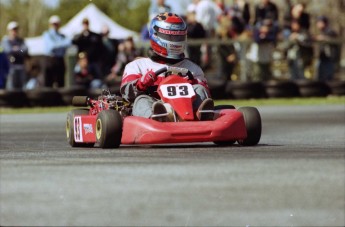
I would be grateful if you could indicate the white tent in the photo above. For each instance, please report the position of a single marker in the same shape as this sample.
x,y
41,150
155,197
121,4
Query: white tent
x,y
97,19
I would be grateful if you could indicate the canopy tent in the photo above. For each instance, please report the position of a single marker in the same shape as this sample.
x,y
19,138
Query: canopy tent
x,y
97,20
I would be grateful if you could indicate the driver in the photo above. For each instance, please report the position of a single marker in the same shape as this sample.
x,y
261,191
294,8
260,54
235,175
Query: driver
x,y
168,39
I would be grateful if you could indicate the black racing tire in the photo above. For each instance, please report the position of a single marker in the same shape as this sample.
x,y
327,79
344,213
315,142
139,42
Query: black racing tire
x,y
217,87
109,129
68,93
224,107
70,128
337,87
81,101
44,97
13,98
281,89
246,90
252,121
309,88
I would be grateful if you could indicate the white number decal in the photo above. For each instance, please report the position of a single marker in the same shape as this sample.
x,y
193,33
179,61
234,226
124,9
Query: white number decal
x,y
173,91
78,131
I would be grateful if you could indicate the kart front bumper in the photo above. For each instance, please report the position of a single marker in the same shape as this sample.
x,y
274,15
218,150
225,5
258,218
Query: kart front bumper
x,y
228,126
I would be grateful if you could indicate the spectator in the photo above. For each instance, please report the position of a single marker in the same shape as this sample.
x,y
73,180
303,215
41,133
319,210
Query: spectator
x,y
207,13
300,51
85,74
4,68
195,30
158,7
16,51
127,52
297,13
192,6
227,52
266,10
240,15
110,47
303,18
260,53
329,53
90,43
55,45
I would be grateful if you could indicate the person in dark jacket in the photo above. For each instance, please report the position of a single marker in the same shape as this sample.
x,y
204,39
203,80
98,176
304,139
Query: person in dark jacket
x,y
85,74
266,10
4,68
328,53
296,13
90,43
300,50
195,30
110,47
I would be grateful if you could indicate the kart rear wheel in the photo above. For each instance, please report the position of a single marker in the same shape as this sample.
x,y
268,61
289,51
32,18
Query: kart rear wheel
x,y
109,129
80,101
70,128
252,121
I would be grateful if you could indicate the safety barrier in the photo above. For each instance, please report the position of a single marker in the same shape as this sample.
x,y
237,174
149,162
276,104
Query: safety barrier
x,y
219,90
241,88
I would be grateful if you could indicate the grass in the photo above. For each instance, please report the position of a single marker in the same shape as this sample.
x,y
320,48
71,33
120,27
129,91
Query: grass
x,y
331,100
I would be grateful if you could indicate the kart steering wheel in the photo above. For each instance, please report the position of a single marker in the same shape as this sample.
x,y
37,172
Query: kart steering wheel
x,y
179,71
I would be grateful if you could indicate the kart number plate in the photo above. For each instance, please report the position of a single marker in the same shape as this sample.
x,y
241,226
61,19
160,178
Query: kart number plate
x,y
174,91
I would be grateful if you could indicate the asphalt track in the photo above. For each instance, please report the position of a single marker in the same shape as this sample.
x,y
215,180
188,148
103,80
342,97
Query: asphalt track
x,y
295,177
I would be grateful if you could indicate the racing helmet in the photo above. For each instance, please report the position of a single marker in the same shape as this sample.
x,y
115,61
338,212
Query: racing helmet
x,y
168,35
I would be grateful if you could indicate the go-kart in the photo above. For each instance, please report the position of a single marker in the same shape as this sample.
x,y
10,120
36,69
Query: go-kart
x,y
108,121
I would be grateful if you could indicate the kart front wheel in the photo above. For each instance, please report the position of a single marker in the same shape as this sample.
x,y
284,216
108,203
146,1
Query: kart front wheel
x,y
109,129
70,128
252,120
224,107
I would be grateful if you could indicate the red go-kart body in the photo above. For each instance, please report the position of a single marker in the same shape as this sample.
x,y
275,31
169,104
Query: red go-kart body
x,y
109,127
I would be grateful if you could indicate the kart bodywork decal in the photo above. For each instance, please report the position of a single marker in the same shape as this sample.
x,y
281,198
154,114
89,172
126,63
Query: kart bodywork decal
x,y
78,130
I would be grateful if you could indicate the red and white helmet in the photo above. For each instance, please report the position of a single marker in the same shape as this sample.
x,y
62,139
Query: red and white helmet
x,y
168,35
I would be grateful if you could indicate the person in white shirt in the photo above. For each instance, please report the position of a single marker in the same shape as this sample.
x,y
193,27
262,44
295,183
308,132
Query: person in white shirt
x,y
55,45
168,38
207,13
16,52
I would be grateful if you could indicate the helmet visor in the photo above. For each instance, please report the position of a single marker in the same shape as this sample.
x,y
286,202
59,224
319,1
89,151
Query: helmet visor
x,y
171,35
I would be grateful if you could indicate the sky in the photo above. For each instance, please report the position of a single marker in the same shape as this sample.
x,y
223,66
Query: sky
x,y
51,3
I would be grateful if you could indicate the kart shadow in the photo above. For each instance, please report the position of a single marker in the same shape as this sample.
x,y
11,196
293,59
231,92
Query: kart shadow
x,y
192,146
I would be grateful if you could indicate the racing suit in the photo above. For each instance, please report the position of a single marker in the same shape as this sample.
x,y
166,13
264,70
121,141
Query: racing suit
x,y
143,100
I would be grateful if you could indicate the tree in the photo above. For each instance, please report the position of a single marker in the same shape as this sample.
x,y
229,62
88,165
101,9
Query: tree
x,y
28,14
33,15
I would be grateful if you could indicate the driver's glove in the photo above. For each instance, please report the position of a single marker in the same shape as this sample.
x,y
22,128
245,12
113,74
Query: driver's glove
x,y
146,81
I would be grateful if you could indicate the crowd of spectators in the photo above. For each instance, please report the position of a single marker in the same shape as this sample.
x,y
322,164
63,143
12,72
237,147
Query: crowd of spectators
x,y
101,59
234,22
216,19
